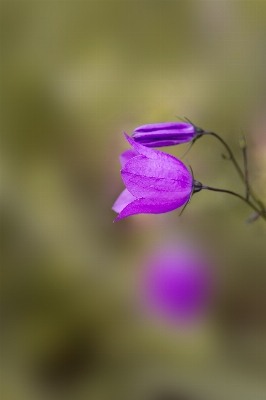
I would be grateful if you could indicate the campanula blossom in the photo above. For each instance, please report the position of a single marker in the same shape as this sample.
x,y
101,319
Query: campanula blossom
x,y
176,283
155,182
166,134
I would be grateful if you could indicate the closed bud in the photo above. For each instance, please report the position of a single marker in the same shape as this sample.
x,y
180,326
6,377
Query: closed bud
x,y
166,134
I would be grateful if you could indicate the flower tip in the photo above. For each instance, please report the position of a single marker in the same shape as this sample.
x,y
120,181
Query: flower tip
x,y
129,139
117,219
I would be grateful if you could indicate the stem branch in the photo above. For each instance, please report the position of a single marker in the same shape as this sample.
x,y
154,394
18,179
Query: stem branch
x,y
246,172
243,176
262,213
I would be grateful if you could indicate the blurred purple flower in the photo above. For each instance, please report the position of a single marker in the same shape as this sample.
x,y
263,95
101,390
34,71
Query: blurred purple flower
x,y
165,134
156,182
177,284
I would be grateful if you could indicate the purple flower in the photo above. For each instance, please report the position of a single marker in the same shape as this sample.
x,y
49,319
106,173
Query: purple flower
x,y
155,182
166,134
177,284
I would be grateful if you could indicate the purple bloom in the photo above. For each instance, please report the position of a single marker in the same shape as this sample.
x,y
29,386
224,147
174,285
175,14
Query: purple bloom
x,y
166,134
177,284
155,182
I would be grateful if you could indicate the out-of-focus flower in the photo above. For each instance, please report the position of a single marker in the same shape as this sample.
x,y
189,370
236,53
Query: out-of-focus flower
x,y
177,284
155,182
166,134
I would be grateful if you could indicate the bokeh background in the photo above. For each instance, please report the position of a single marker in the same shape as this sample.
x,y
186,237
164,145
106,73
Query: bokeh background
x,y
74,75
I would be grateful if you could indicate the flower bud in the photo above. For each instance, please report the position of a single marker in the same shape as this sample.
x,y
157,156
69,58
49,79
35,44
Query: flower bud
x,y
166,134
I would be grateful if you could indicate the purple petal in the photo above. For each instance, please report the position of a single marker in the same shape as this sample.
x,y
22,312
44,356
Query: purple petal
x,y
165,177
156,142
145,151
149,153
166,127
126,156
123,200
164,134
177,283
149,206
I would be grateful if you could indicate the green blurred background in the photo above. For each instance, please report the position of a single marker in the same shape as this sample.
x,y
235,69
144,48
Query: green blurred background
x,y
74,75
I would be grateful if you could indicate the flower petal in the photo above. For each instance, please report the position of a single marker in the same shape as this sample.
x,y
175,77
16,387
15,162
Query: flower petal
x,y
165,177
145,151
164,134
149,206
123,200
126,156
148,152
171,128
154,142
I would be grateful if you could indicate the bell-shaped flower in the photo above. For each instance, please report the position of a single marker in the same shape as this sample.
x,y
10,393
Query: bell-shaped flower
x,y
166,134
155,182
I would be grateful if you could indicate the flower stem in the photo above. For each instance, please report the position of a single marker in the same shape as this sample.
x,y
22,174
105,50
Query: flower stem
x,y
246,172
262,213
242,175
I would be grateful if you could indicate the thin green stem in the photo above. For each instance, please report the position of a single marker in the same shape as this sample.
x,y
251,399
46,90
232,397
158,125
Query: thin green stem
x,y
246,171
239,170
262,213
